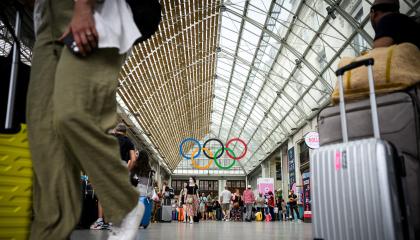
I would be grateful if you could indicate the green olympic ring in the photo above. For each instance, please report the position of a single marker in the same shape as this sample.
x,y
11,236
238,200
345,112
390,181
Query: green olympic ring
x,y
216,161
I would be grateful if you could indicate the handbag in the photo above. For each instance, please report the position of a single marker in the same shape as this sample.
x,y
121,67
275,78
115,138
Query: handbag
x,y
190,200
147,16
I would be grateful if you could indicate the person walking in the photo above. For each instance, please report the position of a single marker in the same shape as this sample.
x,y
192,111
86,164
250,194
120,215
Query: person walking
x,y
236,214
217,211
156,204
127,149
260,204
129,157
293,205
183,206
140,173
270,205
283,210
209,210
225,197
166,194
211,197
192,199
71,103
249,200
203,203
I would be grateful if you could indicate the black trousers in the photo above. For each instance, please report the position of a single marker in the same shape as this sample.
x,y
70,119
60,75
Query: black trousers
x,y
294,208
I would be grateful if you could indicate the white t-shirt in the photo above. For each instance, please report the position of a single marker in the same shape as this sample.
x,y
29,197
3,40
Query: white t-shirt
x,y
115,25
226,196
113,21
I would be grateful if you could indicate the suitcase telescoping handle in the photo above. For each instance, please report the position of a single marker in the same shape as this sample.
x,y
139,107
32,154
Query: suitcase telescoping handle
x,y
13,73
340,72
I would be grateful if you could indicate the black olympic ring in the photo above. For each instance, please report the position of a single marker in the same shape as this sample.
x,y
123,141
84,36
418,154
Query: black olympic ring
x,y
221,151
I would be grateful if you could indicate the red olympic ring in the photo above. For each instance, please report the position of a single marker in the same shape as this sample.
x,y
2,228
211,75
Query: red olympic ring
x,y
243,153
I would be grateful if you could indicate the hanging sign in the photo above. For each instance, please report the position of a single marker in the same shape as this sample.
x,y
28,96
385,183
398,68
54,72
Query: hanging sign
x,y
291,158
312,140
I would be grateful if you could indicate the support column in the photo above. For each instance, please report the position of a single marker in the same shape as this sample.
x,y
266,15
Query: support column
x,y
285,172
264,169
222,184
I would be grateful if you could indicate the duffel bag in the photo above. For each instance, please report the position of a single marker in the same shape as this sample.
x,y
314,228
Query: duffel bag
x,y
396,67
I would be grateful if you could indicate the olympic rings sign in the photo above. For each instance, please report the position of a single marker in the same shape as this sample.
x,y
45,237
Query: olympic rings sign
x,y
209,154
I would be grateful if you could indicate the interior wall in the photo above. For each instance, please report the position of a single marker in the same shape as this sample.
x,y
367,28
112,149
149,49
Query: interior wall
x,y
294,142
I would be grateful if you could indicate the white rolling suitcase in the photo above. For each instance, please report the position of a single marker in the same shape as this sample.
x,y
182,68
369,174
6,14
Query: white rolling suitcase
x,y
357,191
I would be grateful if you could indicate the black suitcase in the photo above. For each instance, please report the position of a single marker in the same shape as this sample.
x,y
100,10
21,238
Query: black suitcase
x,y
197,217
219,214
89,207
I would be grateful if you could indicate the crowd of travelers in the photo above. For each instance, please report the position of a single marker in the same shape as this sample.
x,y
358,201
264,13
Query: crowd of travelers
x,y
192,207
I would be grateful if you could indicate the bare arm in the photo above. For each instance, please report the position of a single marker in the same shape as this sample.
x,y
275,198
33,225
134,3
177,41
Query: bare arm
x,y
132,160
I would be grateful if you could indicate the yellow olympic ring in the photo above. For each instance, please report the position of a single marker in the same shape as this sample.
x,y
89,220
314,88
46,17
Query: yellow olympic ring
x,y
195,165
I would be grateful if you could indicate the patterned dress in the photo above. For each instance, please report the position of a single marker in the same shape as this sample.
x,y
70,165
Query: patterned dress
x,y
192,208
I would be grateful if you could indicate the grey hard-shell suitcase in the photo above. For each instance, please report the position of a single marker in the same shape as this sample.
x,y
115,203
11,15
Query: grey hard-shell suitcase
x,y
357,191
166,213
399,123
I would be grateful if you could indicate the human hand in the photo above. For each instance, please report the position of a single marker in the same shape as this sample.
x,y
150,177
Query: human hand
x,y
82,27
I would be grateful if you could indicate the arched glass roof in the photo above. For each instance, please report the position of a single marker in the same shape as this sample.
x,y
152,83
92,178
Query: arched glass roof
x,y
253,69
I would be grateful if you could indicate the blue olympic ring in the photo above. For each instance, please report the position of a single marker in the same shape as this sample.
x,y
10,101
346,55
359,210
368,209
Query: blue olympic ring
x,y
220,153
181,151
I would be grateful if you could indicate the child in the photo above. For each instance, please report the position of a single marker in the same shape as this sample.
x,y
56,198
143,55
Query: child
x,y
210,211
283,210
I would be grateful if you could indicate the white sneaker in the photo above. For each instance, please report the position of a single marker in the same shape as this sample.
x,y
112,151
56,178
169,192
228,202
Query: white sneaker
x,y
98,224
129,225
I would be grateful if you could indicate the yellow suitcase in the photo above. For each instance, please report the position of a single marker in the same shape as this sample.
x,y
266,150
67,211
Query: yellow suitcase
x,y
15,186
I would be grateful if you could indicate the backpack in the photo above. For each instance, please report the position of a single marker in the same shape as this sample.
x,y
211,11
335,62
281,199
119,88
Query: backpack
x,y
258,216
268,217
147,15
169,192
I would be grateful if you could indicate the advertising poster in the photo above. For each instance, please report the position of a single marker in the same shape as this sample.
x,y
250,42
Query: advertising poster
x,y
307,213
265,184
292,174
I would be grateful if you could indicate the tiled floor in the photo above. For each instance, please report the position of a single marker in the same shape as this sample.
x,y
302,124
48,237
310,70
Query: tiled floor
x,y
213,231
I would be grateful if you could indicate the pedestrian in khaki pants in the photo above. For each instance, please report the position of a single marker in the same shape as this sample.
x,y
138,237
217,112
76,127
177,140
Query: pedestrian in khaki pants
x,y
71,106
